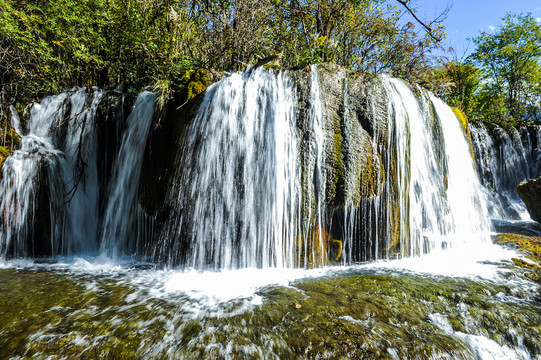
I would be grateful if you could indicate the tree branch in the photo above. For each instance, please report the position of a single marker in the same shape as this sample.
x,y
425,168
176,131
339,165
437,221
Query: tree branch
x,y
428,29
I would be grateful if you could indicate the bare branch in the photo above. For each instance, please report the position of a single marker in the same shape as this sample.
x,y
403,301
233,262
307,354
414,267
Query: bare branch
x,y
427,27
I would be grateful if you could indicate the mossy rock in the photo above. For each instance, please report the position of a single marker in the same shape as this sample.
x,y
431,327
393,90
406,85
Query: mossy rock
x,y
465,129
372,174
196,81
530,193
4,153
317,248
530,246
9,140
352,165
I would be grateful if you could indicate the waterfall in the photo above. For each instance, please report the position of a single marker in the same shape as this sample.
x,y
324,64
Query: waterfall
x,y
465,196
121,210
50,189
431,197
275,170
55,165
20,178
239,174
503,161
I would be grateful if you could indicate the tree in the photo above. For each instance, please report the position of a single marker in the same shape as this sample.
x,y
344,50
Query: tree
x,y
460,83
511,60
48,45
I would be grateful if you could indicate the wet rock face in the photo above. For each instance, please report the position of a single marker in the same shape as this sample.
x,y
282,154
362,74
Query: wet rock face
x,y
111,117
530,193
352,161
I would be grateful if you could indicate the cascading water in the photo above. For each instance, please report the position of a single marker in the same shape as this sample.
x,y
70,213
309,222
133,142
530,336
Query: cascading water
x,y
268,177
20,177
48,162
467,202
239,174
120,216
431,198
503,161
252,189
50,188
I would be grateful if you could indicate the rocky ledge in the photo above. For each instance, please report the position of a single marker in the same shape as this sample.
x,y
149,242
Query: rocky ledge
x,y
530,192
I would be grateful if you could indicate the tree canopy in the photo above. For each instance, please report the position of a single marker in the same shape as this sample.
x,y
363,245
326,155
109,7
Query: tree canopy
x,y
48,45
500,82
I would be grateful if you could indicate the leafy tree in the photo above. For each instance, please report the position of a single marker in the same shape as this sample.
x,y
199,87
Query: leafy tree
x,y
460,84
48,45
511,60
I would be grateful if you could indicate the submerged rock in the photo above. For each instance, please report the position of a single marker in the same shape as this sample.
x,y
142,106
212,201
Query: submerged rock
x,y
530,192
356,314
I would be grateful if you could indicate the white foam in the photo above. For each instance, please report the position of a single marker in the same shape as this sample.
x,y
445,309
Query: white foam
x,y
481,346
477,260
210,290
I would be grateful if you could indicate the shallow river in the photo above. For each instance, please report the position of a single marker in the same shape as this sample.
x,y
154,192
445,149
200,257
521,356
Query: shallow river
x,y
449,305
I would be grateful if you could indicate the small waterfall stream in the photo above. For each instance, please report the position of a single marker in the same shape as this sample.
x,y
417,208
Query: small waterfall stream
x,y
503,161
119,220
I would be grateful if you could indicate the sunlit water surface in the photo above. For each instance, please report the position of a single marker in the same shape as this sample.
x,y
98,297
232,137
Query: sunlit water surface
x,y
448,304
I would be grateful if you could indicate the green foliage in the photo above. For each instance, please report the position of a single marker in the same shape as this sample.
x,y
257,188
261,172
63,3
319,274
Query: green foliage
x,y
511,61
460,80
48,45
500,83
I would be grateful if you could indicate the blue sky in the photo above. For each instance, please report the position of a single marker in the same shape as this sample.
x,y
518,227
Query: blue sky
x,y
468,17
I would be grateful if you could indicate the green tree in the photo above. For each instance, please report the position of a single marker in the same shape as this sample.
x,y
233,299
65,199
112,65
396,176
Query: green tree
x,y
511,61
48,45
460,84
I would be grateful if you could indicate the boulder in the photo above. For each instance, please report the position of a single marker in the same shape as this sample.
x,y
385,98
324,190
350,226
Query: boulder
x,y
530,192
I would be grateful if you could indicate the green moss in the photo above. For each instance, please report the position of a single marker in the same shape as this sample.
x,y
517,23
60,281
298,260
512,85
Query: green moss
x,y
465,130
531,246
196,81
10,140
372,176
317,248
335,192
4,151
